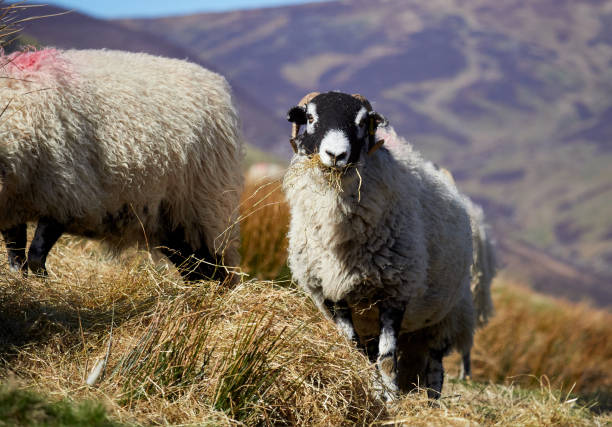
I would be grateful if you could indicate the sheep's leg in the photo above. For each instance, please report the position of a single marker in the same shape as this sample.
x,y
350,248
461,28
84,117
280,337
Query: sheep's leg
x,y
434,374
371,349
47,232
466,366
16,240
341,315
193,264
390,317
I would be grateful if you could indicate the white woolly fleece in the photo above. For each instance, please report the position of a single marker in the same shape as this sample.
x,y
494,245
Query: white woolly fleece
x,y
400,232
89,132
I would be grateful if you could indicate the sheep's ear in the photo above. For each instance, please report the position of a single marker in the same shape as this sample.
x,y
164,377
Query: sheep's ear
x,y
297,115
376,120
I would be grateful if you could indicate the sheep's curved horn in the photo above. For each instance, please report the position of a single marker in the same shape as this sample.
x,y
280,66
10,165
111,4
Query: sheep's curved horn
x,y
307,98
295,128
363,100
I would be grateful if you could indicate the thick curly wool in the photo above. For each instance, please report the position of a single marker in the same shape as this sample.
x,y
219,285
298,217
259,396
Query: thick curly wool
x,y
400,232
109,142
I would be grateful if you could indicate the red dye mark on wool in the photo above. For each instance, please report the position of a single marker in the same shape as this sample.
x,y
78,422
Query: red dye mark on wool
x,y
36,65
33,60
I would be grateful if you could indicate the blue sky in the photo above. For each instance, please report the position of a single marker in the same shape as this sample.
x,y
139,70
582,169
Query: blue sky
x,y
148,8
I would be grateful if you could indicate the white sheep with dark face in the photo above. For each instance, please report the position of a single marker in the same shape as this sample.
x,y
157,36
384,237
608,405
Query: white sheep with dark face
x,y
386,249
122,147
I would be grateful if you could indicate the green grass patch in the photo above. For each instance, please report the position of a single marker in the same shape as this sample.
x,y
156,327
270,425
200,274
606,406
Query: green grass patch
x,y
21,407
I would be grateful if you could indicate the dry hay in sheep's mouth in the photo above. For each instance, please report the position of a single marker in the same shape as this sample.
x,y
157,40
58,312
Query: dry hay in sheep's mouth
x,y
332,176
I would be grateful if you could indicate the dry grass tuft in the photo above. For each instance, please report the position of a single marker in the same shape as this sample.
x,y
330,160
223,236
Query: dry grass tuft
x,y
9,24
10,21
264,223
466,404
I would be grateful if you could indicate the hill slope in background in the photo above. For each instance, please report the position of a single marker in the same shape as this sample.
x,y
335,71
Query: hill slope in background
x,y
514,97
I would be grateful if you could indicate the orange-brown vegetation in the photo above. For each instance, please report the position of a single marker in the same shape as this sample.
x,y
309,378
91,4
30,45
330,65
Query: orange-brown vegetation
x,y
264,225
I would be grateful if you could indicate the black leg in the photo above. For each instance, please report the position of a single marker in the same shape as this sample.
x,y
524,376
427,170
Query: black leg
x,y
193,265
390,317
16,240
341,314
47,232
434,374
466,367
371,349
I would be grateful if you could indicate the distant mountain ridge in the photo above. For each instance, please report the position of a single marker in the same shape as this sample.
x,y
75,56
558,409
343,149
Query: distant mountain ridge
x,y
514,97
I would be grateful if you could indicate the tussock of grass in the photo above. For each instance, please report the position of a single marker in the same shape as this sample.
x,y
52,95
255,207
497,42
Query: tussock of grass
x,y
465,403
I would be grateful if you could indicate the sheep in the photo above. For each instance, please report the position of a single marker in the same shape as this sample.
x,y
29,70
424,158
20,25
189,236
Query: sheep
x,y
379,241
123,147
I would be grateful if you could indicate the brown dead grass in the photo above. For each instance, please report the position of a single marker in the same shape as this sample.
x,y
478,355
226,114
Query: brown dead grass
x,y
532,335
263,228
201,354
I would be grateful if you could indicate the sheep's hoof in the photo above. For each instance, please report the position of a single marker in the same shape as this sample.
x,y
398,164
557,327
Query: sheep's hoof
x,y
15,266
38,267
384,392
433,394
385,386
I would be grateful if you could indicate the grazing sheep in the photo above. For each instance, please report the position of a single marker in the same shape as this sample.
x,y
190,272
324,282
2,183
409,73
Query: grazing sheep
x,y
379,240
123,147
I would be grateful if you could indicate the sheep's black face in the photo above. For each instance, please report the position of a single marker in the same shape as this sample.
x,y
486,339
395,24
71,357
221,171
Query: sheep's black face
x,y
338,127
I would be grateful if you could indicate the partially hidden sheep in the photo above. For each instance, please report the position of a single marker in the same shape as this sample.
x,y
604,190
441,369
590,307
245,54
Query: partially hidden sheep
x,y
123,147
484,268
379,240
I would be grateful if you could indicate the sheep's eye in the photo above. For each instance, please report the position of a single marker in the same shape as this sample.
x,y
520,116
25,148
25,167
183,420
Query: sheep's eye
x,y
310,118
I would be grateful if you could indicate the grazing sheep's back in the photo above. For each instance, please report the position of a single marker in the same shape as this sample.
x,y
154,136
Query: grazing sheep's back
x,y
108,141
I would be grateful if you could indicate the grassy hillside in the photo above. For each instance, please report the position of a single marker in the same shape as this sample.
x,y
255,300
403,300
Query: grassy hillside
x,y
261,353
513,97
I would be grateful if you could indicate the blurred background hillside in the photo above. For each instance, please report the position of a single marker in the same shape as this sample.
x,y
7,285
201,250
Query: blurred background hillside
x,y
514,97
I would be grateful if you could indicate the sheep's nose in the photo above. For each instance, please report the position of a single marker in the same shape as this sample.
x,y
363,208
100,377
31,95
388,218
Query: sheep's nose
x,y
335,148
337,157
